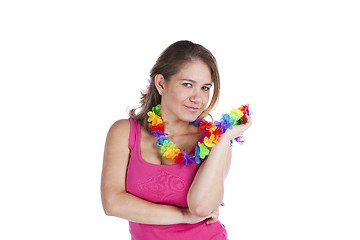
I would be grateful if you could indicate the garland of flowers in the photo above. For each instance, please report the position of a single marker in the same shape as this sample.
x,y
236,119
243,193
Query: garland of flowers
x,y
213,132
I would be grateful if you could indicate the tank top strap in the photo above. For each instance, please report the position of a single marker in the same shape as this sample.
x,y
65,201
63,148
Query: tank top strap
x,y
134,133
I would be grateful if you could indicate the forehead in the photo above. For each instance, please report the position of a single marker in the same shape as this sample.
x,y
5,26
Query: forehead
x,y
195,70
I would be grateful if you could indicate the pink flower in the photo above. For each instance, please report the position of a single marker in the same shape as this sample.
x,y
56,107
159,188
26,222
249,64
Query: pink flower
x,y
145,90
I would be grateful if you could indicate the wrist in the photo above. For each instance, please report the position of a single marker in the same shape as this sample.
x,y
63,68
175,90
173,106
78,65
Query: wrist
x,y
225,138
185,215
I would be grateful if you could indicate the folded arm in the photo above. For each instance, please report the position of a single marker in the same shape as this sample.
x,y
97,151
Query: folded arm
x,y
119,203
207,190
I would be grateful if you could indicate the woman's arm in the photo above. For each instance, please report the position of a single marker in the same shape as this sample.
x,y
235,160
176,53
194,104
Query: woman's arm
x,y
119,203
207,190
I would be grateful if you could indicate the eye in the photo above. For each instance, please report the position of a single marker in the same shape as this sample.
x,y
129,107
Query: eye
x,y
206,88
187,85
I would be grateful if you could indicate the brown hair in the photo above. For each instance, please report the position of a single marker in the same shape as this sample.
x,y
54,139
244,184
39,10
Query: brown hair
x,y
168,64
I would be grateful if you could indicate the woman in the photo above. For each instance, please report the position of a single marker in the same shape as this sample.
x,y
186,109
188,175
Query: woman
x,y
160,198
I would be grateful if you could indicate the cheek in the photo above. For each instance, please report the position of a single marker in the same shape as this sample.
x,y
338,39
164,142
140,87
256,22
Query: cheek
x,y
206,98
181,95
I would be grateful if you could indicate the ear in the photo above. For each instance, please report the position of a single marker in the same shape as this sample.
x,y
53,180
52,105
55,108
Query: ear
x,y
160,83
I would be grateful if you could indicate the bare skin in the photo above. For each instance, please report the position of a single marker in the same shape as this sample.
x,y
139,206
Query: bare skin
x,y
183,99
117,202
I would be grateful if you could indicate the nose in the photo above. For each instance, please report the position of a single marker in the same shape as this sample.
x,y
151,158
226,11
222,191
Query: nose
x,y
196,96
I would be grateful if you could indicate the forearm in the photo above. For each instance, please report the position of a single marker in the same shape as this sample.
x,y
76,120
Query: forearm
x,y
207,190
135,209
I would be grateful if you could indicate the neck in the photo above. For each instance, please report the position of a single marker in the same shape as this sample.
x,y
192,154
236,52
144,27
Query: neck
x,y
174,126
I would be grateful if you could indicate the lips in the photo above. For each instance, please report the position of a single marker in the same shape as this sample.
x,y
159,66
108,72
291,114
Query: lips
x,y
193,109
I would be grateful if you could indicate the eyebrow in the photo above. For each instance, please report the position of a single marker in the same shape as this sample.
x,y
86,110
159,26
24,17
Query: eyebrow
x,y
193,81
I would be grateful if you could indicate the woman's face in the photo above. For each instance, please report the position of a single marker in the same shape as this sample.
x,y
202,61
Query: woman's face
x,y
187,93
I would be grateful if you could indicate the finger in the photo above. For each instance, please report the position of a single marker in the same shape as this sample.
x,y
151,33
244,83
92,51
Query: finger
x,y
222,203
211,220
248,119
215,214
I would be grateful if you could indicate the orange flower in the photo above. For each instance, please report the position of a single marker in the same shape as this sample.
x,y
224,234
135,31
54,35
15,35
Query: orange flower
x,y
157,120
214,138
171,152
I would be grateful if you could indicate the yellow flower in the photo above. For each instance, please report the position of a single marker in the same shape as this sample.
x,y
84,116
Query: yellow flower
x,y
151,115
208,142
237,112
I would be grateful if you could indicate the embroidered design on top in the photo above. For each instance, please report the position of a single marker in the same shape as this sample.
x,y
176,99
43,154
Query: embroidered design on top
x,y
165,187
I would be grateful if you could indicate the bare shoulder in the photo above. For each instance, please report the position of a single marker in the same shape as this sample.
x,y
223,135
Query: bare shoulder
x,y
116,158
120,127
117,140
119,131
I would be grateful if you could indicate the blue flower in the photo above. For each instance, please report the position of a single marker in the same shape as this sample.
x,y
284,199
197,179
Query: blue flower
x,y
161,140
226,118
197,155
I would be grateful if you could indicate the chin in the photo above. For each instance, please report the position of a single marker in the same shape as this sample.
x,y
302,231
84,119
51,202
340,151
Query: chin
x,y
190,117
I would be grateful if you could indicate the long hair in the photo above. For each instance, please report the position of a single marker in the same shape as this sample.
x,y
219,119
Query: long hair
x,y
168,64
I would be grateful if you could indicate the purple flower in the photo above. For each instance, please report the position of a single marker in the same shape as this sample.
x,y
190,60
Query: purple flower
x,y
158,134
222,125
240,140
196,123
188,158
249,112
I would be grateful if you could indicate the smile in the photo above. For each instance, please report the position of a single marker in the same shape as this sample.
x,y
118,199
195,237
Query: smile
x,y
192,109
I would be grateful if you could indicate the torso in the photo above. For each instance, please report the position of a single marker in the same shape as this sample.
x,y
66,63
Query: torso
x,y
164,184
150,152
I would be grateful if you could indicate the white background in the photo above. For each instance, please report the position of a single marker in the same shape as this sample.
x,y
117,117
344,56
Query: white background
x,y
69,69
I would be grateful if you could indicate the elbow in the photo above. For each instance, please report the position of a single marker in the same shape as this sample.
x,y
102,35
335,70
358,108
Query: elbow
x,y
114,205
199,210
111,205
107,207
202,208
107,212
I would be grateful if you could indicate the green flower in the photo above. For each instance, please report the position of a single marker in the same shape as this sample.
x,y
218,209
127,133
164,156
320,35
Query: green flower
x,y
235,117
204,151
156,109
165,145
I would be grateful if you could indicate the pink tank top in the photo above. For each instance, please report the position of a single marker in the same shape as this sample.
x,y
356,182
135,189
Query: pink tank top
x,y
164,184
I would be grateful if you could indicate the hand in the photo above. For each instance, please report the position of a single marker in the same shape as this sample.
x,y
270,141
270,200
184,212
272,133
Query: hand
x,y
214,215
237,130
191,218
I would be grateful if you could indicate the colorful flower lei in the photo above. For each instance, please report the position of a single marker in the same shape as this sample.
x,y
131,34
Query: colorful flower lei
x,y
213,132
